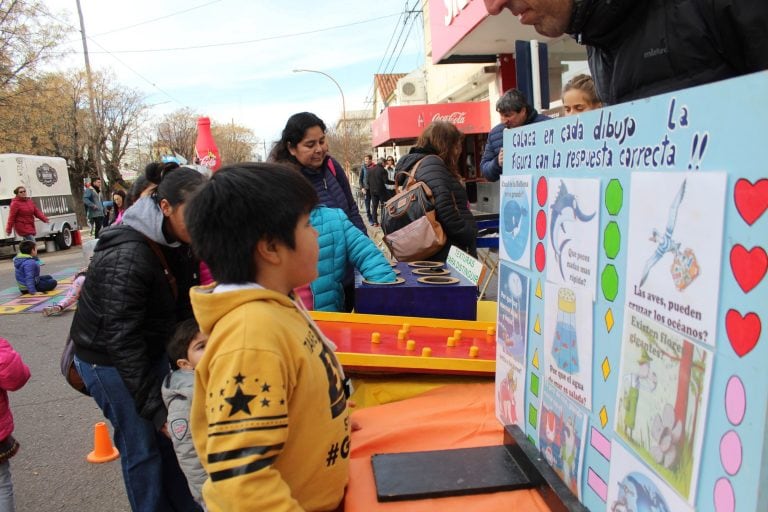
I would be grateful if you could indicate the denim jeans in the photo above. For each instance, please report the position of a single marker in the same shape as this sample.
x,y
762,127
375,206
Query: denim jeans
x,y
6,488
153,480
31,238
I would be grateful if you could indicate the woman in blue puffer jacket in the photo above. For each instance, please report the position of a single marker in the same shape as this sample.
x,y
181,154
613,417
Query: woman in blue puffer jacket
x,y
341,244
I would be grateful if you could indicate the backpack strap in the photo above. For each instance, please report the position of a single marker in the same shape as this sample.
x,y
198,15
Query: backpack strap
x,y
331,167
166,270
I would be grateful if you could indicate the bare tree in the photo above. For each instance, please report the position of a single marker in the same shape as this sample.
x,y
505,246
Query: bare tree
x,y
350,145
236,143
176,133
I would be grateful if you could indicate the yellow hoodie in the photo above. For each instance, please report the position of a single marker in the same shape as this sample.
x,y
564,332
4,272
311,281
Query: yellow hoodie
x,y
269,417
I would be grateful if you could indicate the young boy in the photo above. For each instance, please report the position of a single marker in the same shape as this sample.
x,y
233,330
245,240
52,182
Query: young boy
x,y
186,348
269,415
27,268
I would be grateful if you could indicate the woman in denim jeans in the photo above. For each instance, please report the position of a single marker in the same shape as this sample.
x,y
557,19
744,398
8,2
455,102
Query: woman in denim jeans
x,y
137,289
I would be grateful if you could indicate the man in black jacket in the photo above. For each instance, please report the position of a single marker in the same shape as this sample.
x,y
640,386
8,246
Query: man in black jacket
x,y
364,188
639,48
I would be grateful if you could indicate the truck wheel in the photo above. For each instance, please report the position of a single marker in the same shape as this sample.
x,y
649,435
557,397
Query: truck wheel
x,y
64,238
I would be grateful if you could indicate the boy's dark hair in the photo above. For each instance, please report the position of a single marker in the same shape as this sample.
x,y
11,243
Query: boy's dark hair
x,y
178,345
512,101
240,205
26,246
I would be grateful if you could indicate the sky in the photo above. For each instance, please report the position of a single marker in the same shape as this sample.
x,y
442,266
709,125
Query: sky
x,y
233,60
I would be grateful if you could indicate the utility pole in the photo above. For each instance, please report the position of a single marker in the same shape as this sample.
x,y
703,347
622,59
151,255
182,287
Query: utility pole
x,y
91,101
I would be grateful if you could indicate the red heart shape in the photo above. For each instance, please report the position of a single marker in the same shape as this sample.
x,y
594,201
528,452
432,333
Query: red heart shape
x,y
743,331
748,267
751,200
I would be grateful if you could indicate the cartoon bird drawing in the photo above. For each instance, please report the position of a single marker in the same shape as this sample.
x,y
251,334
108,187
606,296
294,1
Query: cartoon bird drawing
x,y
564,200
664,241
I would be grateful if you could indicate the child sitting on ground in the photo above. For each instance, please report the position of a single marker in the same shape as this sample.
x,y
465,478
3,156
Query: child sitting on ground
x,y
341,243
269,416
185,349
27,268
73,293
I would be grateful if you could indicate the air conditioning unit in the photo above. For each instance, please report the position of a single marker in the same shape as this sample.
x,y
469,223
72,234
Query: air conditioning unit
x,y
411,90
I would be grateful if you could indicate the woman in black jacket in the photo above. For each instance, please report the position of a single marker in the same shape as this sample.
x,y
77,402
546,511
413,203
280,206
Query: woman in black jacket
x,y
440,147
137,289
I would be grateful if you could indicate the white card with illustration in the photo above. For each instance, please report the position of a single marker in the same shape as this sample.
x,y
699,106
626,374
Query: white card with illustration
x,y
568,341
562,432
512,325
515,220
675,249
661,400
573,231
510,389
632,487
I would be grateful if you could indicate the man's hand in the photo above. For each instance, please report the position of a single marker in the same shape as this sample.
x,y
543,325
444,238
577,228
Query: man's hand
x,y
501,157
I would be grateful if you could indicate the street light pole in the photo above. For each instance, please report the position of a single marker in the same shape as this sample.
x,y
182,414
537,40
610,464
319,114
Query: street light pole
x,y
344,137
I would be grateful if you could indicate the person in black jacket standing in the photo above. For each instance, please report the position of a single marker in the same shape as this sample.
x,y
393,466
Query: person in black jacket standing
x,y
128,308
377,182
439,145
641,48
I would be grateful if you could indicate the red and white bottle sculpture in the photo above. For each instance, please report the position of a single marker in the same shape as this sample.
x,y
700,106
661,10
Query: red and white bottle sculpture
x,y
205,146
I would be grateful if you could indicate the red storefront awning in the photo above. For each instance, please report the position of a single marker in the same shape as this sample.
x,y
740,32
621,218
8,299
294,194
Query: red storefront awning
x,y
405,123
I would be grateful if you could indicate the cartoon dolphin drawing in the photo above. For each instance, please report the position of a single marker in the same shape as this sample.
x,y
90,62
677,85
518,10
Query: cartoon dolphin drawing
x,y
664,241
563,201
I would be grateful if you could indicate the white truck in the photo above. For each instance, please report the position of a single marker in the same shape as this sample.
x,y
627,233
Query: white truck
x,y
47,182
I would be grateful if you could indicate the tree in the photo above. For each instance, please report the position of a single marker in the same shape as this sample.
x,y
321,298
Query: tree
x,y
351,145
236,143
176,133
27,35
119,111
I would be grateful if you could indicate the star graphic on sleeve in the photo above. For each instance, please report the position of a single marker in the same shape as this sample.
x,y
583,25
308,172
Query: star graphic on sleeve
x,y
239,378
265,387
239,402
265,402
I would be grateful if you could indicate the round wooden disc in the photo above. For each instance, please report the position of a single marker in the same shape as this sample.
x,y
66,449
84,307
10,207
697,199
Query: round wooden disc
x,y
426,264
399,280
438,280
431,271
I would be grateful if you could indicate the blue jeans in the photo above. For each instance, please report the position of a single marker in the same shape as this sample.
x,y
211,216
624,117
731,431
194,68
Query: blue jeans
x,y
31,238
6,488
153,480
45,283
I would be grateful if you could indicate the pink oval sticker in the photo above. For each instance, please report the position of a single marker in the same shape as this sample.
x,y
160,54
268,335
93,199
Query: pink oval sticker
x,y
731,452
735,400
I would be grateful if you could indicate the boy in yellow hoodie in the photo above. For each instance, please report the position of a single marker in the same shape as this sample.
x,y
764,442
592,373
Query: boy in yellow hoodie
x,y
269,416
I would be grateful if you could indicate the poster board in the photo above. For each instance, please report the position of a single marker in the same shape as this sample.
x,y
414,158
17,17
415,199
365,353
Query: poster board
x,y
673,290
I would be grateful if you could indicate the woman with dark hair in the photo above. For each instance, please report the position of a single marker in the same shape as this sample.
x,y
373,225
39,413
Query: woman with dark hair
x,y
118,207
124,317
303,145
21,218
439,146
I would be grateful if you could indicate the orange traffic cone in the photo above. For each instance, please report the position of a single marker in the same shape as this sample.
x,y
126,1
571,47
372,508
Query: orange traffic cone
x,y
103,451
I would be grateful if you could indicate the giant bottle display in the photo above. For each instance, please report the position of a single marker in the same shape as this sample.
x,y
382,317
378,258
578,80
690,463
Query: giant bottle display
x,y
205,147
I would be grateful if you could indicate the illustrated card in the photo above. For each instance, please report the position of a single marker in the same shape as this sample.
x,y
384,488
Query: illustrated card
x,y
510,389
674,252
515,220
512,324
661,401
632,487
568,342
572,233
562,431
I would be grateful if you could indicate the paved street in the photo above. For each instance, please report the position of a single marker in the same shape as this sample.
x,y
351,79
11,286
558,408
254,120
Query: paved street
x,y
54,423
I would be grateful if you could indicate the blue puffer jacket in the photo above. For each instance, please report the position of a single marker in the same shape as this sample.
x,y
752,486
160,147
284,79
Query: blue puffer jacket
x,y
490,162
27,269
341,243
334,190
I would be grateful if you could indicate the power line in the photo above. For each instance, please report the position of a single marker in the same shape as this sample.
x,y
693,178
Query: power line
x,y
146,22
260,40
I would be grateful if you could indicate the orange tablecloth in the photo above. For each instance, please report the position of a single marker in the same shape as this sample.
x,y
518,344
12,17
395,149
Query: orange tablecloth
x,y
452,416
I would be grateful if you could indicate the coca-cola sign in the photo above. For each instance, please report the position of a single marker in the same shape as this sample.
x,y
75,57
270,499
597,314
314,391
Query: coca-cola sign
x,y
453,117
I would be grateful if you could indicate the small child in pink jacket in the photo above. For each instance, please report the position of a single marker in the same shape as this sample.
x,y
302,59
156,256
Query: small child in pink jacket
x,y
13,375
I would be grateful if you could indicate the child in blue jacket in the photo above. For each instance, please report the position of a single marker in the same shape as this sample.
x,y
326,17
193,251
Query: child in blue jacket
x,y
27,268
341,243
